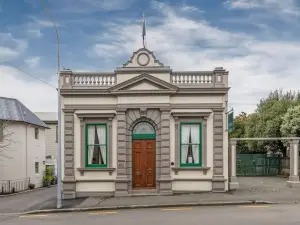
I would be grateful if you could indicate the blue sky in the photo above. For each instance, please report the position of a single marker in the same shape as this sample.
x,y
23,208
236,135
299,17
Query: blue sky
x,y
257,41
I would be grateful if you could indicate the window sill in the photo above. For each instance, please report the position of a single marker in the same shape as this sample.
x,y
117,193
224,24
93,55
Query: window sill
x,y
177,169
82,170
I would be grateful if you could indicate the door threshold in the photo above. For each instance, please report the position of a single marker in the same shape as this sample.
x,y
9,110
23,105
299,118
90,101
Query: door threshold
x,y
144,192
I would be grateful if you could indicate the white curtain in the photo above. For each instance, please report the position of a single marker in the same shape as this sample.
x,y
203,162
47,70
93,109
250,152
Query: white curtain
x,y
196,153
91,141
184,152
186,130
101,131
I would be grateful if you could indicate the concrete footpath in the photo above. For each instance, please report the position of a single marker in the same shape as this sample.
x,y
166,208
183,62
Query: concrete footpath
x,y
254,190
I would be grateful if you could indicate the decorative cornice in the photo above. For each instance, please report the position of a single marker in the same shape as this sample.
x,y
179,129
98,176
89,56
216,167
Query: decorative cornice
x,y
148,69
197,106
165,109
68,110
190,114
120,107
92,91
218,110
95,115
84,91
203,90
93,73
91,106
166,87
143,50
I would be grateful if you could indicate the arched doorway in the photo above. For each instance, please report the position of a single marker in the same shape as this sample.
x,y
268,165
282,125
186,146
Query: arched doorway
x,y
143,156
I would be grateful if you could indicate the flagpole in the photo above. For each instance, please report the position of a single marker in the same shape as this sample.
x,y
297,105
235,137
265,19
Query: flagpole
x,y
144,30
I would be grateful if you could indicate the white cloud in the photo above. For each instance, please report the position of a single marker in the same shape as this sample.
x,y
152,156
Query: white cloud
x,y
255,66
11,47
190,8
43,23
33,62
35,33
88,6
36,25
36,95
281,6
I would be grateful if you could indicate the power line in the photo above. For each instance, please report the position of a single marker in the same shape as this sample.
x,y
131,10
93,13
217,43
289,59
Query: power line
x,y
28,73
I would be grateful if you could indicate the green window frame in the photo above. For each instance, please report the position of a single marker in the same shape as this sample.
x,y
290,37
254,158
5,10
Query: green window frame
x,y
190,145
98,145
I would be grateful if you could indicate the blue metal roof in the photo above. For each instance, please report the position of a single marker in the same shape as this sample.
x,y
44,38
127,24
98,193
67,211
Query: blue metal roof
x,y
13,110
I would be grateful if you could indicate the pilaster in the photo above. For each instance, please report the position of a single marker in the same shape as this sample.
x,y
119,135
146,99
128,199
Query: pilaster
x,y
294,157
122,179
233,182
69,184
165,183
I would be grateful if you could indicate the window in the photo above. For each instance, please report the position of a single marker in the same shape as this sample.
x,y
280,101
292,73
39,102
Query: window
x,y
96,145
190,144
36,167
143,130
1,130
36,133
56,139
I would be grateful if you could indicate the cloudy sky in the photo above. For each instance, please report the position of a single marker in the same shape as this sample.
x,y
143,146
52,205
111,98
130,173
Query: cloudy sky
x,y
257,41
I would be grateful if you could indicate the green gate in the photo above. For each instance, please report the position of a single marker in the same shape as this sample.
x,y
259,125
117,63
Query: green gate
x,y
257,165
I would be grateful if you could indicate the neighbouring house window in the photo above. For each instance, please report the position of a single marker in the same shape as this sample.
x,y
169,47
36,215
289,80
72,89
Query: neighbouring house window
x,y
96,145
1,130
36,167
36,133
190,144
56,140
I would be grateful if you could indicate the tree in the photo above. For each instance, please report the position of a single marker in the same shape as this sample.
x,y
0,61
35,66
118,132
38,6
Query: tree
x,y
290,126
5,139
239,131
267,120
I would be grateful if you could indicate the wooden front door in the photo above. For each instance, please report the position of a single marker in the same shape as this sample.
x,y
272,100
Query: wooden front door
x,y
143,164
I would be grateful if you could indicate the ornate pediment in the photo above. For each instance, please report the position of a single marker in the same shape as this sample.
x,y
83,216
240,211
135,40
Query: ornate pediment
x,y
144,83
143,58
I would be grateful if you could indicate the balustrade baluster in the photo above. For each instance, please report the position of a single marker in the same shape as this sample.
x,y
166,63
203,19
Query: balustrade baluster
x,y
112,80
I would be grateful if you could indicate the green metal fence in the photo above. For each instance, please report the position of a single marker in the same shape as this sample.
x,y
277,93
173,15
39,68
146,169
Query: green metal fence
x,y
257,165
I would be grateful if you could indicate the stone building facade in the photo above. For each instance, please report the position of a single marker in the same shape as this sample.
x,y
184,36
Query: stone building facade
x,y
144,128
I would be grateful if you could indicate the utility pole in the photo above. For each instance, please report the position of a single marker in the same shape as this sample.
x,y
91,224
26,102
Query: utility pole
x,y
59,183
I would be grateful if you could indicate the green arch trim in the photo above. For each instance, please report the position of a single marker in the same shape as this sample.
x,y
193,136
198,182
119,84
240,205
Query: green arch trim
x,y
142,135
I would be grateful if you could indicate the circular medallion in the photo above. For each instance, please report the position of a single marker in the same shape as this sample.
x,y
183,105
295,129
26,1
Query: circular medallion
x,y
143,59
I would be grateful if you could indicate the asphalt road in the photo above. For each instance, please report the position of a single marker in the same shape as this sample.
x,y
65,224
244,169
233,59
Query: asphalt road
x,y
234,215
27,200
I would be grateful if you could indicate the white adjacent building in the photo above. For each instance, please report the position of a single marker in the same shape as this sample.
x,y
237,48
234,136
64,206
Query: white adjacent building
x,y
51,137
22,145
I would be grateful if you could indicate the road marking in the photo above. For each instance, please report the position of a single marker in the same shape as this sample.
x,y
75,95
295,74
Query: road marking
x,y
255,206
36,215
102,213
176,209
